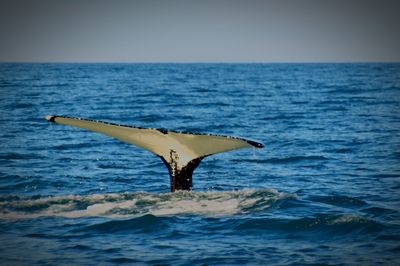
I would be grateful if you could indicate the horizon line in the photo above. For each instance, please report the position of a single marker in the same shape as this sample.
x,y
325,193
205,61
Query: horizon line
x,y
199,62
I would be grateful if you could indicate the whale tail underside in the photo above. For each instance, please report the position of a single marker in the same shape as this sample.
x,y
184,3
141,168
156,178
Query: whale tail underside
x,y
181,152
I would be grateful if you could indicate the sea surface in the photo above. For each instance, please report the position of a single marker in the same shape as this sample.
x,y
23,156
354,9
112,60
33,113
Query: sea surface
x,y
325,190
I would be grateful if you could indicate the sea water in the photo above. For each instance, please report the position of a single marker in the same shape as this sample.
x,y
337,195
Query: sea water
x,y
323,191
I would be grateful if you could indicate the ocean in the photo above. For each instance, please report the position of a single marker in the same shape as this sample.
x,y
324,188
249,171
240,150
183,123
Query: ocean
x,y
323,191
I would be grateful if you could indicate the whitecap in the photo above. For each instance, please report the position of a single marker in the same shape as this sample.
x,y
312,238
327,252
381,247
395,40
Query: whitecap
x,y
141,203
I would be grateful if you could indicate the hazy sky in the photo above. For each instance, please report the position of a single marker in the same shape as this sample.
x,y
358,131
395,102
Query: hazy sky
x,y
199,31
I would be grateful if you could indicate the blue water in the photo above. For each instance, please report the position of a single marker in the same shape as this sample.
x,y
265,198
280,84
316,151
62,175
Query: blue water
x,y
323,191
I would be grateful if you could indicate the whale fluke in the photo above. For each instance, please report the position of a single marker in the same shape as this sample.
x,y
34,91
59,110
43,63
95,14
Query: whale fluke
x,y
181,152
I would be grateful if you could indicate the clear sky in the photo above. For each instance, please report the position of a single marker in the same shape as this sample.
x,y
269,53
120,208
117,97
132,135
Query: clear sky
x,y
199,31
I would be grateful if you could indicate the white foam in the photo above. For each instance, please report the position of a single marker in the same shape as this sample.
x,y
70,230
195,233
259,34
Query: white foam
x,y
140,203
344,219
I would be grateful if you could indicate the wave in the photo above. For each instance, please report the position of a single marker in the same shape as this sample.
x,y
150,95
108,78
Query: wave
x,y
73,146
145,223
19,156
285,160
337,200
329,223
142,203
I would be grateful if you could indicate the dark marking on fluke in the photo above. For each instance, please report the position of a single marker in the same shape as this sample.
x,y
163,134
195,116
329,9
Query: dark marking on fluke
x,y
181,179
51,118
162,130
255,144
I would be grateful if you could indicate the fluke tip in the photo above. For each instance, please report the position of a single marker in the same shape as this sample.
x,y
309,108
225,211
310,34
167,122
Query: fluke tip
x,y
50,118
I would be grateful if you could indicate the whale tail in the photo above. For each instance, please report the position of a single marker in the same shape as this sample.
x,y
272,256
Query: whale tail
x,y
181,152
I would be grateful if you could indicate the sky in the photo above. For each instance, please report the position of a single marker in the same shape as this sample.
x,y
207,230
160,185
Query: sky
x,y
199,31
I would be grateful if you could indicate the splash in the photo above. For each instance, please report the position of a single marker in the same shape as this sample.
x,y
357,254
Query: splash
x,y
140,203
